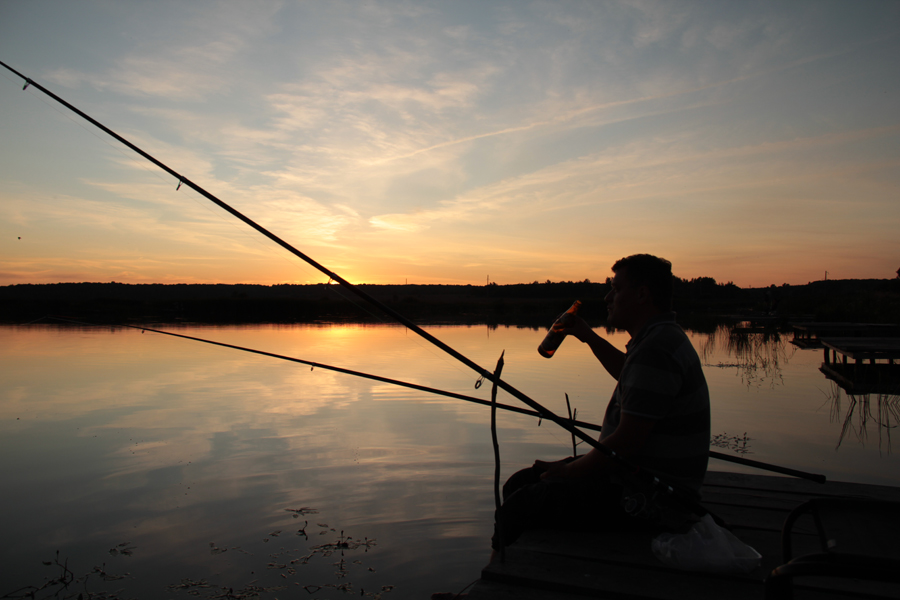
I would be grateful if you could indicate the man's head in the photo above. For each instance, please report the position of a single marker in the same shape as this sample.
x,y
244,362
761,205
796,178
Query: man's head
x,y
641,288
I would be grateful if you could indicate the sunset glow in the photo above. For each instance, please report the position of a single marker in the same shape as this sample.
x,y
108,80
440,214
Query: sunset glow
x,y
459,142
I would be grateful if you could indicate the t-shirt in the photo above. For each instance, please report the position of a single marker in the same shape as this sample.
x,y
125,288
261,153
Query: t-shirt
x,y
662,379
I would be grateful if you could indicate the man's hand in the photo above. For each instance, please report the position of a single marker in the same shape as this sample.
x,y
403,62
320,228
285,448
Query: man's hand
x,y
583,466
555,469
577,328
609,356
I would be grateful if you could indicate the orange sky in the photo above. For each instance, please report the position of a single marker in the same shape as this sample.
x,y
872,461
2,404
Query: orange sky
x,y
398,142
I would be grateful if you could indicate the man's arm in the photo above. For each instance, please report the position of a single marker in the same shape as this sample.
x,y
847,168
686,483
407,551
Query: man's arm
x,y
609,356
627,440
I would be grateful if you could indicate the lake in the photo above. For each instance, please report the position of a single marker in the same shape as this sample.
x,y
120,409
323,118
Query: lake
x,y
161,468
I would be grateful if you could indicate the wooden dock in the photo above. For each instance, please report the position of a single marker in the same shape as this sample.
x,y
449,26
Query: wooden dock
x,y
861,349
809,335
875,368
554,565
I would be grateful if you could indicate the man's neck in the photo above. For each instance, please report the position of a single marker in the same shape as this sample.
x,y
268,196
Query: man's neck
x,y
639,323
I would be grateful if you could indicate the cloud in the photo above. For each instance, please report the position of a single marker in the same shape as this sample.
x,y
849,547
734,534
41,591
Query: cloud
x,y
173,78
186,59
345,105
405,223
644,170
426,132
302,218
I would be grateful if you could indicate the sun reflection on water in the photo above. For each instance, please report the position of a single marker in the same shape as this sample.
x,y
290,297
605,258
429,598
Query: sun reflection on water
x,y
114,435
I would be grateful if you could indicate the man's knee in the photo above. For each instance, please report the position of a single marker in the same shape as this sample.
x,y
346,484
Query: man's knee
x,y
518,480
524,507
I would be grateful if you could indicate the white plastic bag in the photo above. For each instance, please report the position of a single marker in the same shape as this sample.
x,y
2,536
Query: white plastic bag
x,y
706,547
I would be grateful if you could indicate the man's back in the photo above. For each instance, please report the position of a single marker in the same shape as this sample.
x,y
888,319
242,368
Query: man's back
x,y
662,379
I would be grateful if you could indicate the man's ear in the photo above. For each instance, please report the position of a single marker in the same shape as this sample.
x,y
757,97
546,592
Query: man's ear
x,y
643,295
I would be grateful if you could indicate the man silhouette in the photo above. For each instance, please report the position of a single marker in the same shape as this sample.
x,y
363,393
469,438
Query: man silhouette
x,y
657,418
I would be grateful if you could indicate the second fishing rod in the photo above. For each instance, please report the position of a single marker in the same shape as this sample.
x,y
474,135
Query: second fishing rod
x,y
818,478
648,480
182,180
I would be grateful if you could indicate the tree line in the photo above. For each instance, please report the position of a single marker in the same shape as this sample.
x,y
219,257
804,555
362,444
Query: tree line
x,y
536,303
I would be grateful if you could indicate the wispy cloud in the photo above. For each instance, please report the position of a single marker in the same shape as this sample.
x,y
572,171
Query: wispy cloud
x,y
642,172
187,64
424,137
145,76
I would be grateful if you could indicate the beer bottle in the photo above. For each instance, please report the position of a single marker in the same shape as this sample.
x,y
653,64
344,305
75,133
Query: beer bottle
x,y
554,337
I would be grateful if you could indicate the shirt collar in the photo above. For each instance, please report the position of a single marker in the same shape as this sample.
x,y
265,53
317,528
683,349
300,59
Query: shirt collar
x,y
660,319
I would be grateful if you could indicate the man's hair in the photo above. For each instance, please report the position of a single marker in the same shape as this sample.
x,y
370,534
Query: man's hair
x,y
652,271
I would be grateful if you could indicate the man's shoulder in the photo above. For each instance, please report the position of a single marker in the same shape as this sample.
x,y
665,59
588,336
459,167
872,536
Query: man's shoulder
x,y
664,337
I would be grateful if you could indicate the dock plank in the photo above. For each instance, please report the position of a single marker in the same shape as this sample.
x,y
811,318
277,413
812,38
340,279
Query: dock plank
x,y
560,565
490,590
579,576
864,348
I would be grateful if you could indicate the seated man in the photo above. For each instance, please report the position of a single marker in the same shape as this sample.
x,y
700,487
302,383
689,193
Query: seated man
x,y
657,419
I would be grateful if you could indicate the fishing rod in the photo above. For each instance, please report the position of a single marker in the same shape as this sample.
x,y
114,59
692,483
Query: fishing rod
x,y
680,495
182,180
361,374
491,403
439,392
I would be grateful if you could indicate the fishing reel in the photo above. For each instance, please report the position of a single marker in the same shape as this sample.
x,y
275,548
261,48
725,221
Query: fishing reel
x,y
642,506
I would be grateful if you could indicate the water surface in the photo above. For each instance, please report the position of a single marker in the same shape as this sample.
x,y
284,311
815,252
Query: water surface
x,y
179,463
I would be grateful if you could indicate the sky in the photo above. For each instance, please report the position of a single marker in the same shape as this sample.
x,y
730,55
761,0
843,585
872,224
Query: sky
x,y
451,142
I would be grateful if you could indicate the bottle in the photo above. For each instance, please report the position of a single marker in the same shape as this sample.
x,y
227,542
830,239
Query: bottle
x,y
554,337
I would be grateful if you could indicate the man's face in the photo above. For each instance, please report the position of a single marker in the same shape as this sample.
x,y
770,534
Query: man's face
x,y
622,302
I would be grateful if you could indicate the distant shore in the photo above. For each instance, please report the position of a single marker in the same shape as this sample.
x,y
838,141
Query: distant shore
x,y
532,304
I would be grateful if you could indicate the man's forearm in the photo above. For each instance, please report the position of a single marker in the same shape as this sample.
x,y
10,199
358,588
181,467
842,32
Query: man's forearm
x,y
588,465
609,356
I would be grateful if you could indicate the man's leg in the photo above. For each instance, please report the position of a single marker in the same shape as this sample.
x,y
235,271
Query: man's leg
x,y
568,504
